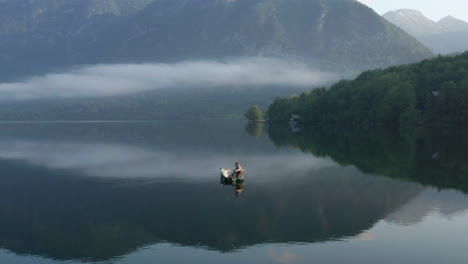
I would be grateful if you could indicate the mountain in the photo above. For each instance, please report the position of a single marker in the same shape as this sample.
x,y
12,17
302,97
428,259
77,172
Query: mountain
x,y
43,36
38,35
338,35
453,24
335,34
448,35
413,22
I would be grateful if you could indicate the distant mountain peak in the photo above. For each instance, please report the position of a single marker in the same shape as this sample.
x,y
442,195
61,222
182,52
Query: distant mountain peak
x,y
447,35
453,24
412,21
450,18
409,11
405,12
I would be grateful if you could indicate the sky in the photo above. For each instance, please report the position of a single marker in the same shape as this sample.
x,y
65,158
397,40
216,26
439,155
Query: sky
x,y
433,9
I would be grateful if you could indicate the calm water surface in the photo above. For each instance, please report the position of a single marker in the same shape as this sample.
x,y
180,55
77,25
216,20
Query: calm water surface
x,y
133,192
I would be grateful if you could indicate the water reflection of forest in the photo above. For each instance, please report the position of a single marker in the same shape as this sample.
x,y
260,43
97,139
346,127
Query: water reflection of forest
x,y
436,157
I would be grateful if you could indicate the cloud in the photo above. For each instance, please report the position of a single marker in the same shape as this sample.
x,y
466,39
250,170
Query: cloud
x,y
108,80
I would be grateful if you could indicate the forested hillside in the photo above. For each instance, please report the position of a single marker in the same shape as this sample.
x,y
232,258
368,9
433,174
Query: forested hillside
x,y
432,91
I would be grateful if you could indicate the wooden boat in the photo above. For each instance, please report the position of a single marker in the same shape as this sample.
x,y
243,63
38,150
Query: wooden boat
x,y
227,179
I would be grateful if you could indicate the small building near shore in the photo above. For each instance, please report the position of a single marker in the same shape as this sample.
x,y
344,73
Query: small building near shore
x,y
295,119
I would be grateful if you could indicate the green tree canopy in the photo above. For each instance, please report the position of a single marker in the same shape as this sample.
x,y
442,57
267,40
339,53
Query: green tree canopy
x,y
254,114
433,91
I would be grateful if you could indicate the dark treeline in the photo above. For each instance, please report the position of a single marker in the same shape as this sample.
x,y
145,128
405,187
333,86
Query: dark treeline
x,y
431,157
433,91
166,104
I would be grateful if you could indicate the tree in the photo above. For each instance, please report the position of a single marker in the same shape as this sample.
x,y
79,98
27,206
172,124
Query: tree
x,y
409,118
395,102
254,129
254,114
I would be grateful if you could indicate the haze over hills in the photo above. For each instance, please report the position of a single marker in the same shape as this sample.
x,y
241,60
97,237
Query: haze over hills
x,y
39,36
448,35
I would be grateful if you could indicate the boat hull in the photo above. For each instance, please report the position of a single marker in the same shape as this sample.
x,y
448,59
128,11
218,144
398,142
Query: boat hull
x,y
227,179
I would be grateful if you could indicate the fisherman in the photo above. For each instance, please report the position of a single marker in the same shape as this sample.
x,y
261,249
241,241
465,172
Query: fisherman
x,y
237,171
238,189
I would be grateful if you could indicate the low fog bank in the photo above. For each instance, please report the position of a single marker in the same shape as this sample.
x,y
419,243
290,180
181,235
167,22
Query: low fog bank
x,y
121,79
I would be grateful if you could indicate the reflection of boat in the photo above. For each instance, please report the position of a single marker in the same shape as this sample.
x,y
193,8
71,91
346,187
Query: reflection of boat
x,y
227,179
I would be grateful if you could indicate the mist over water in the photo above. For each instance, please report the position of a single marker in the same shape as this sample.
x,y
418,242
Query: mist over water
x,y
124,161
119,79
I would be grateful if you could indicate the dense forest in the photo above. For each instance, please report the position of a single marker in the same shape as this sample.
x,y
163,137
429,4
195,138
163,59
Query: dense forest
x,y
434,91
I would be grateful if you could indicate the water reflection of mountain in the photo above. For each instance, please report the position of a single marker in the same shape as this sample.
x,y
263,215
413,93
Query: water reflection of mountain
x,y
447,203
436,157
60,207
61,215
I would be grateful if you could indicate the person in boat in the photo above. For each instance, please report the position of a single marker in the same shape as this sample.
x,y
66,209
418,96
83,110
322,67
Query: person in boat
x,y
239,188
237,171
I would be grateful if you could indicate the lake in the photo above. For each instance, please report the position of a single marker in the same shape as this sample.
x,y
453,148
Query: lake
x,y
150,192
